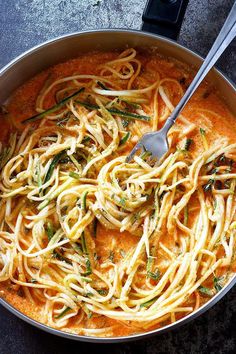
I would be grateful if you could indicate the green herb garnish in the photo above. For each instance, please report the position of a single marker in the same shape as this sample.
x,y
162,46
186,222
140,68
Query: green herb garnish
x,y
86,139
74,175
83,243
122,202
204,140
84,199
102,292
218,283
205,291
125,123
208,187
150,274
102,85
111,256
49,230
56,159
87,260
188,144
125,138
60,257
63,313
90,314
202,131
116,111
148,303
54,108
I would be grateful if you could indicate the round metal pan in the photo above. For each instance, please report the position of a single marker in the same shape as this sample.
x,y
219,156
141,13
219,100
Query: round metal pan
x,y
70,46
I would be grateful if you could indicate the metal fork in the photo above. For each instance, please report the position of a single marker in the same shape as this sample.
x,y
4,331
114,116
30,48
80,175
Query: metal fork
x,y
156,143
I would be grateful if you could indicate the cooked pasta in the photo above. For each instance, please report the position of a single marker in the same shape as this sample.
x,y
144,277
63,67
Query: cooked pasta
x,y
97,246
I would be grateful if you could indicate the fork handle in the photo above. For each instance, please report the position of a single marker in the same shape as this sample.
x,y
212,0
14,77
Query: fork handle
x,y
226,35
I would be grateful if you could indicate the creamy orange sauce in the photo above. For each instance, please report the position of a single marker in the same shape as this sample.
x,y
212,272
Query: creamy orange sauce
x,y
22,105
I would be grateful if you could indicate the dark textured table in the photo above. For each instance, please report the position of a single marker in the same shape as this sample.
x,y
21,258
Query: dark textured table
x,y
25,23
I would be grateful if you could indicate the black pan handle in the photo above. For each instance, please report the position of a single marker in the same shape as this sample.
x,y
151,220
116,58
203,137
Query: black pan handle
x,y
164,17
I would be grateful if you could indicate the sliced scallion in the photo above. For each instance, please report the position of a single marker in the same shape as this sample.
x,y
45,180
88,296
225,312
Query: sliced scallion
x,y
63,313
148,303
125,138
205,291
53,108
53,164
74,175
116,111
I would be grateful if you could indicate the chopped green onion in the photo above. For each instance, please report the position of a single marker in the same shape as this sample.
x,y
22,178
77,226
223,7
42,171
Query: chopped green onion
x,y
83,199
129,115
83,243
204,140
122,202
204,290
208,187
125,123
132,104
218,283
188,144
49,230
116,111
52,109
111,256
87,260
53,164
88,267
202,131
86,139
90,314
60,257
150,274
102,85
102,291
154,275
87,280
148,303
63,313
145,155
74,175
125,138
75,161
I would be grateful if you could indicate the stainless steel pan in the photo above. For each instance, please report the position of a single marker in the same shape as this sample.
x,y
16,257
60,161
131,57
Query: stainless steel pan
x,y
65,47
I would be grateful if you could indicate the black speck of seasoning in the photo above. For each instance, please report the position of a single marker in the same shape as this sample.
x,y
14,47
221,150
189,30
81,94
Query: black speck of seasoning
x,y
182,81
206,94
20,292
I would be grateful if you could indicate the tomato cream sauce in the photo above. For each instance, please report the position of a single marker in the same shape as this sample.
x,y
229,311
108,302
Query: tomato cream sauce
x,y
219,123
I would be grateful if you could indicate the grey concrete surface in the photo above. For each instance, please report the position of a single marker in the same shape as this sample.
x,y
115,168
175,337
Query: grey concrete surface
x,y
25,23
